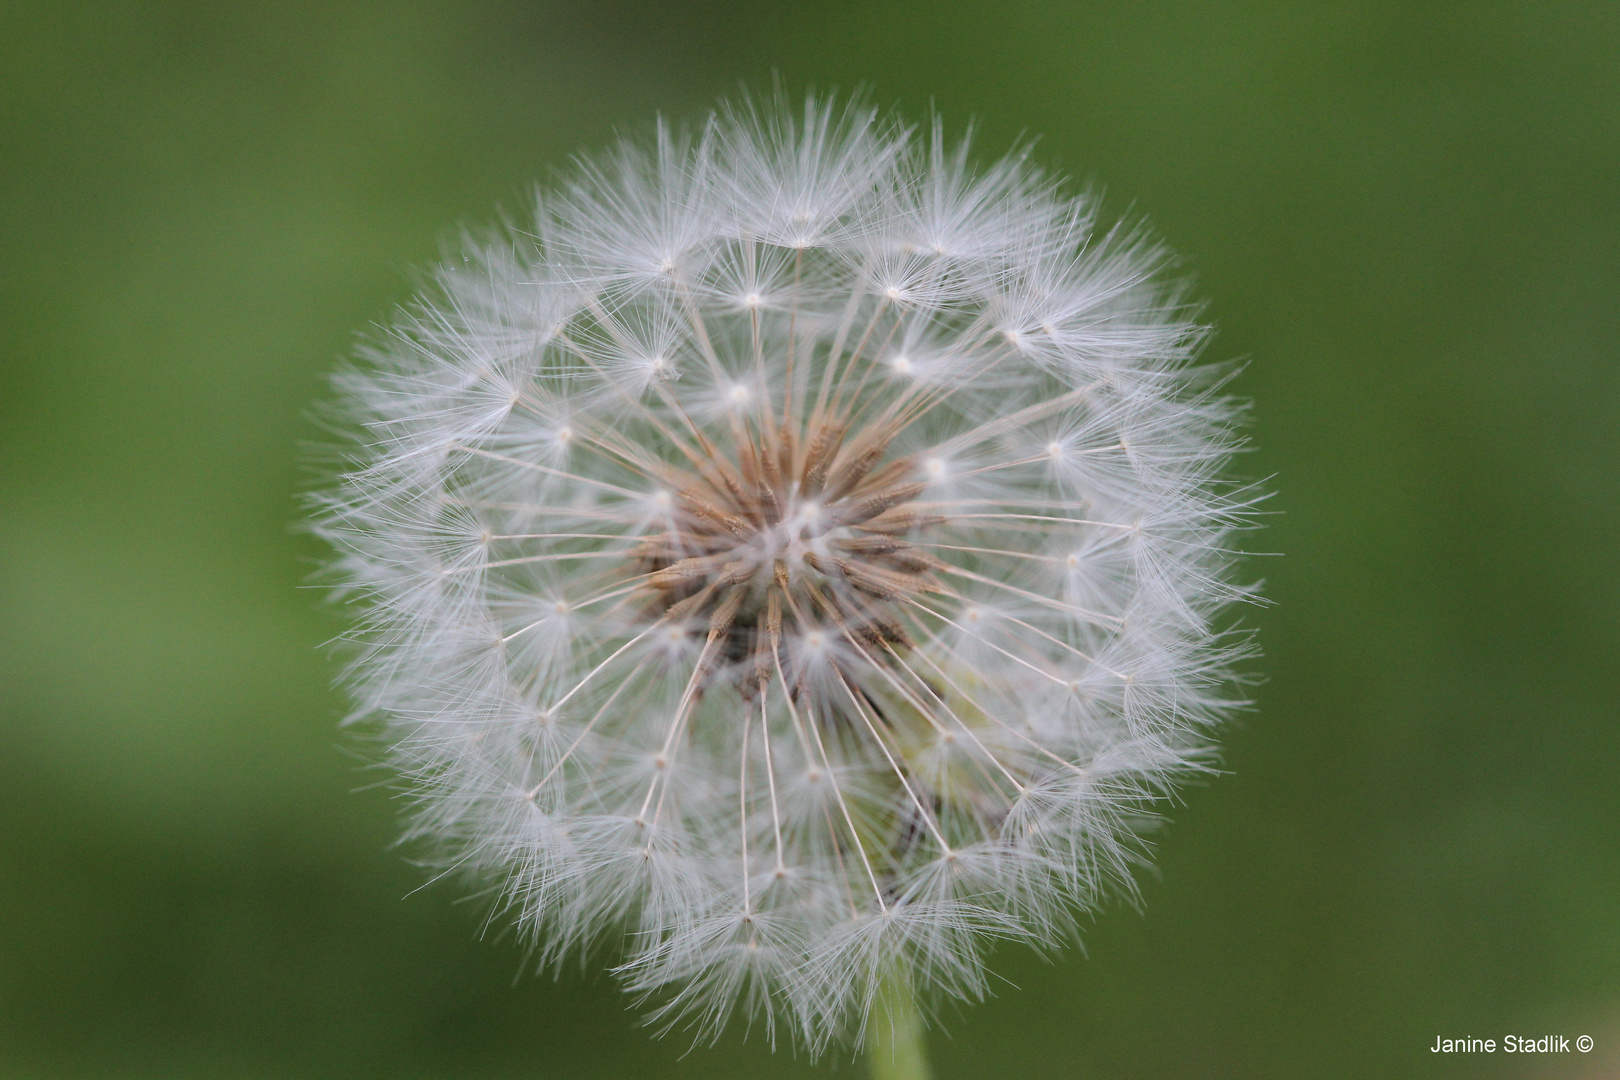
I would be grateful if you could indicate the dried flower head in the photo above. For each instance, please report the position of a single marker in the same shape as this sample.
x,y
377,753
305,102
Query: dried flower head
x,y
797,557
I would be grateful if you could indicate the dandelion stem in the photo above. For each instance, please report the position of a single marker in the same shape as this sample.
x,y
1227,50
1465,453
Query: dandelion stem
x,y
896,1044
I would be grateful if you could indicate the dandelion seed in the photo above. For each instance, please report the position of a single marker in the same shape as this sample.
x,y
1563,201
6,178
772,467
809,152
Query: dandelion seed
x,y
799,557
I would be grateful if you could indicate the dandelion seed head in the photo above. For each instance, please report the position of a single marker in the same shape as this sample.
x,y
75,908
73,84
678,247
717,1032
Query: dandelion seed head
x,y
798,556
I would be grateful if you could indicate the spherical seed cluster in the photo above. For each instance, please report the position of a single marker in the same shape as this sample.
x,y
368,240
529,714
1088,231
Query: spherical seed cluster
x,y
796,558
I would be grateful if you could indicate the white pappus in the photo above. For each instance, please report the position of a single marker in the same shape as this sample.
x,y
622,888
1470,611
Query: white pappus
x,y
796,557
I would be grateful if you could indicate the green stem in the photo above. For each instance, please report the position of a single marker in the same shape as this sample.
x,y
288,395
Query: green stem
x,y
896,1044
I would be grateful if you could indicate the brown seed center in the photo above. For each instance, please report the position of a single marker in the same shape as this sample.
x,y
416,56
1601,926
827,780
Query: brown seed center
x,y
819,544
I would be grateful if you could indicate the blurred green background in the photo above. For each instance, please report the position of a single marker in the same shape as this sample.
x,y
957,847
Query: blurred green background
x,y
1406,218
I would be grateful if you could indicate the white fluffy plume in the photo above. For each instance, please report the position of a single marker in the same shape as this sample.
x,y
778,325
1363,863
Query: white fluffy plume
x,y
795,560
